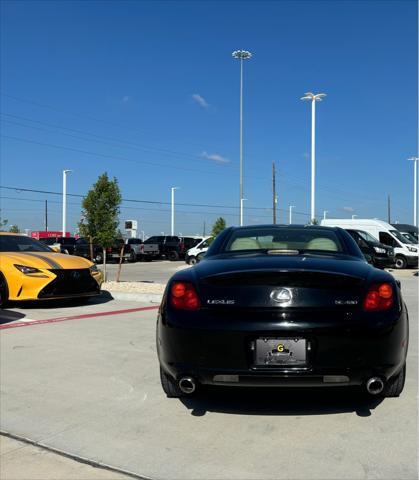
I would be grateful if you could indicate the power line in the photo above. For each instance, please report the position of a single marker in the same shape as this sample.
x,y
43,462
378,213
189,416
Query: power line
x,y
156,202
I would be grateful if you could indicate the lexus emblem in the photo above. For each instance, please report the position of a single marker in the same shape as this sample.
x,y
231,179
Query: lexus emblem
x,y
283,296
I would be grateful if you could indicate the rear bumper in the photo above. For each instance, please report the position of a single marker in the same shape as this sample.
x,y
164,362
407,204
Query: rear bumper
x,y
340,354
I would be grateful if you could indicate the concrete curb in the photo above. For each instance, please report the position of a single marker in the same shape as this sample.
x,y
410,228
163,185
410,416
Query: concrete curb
x,y
136,297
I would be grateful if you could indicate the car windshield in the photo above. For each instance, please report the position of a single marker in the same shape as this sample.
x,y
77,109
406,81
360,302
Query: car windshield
x,y
275,239
20,243
401,237
366,236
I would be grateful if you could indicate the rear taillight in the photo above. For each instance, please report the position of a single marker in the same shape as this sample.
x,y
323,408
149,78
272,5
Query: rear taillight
x,y
109,250
379,297
183,296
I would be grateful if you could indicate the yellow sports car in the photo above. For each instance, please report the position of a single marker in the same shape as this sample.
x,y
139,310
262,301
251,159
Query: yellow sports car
x,y
29,270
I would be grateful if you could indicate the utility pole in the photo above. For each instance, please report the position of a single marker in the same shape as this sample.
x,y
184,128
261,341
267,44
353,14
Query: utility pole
x,y
274,198
388,209
46,215
204,229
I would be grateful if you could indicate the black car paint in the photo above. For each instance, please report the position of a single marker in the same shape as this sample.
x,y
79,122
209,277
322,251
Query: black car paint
x,y
379,260
343,339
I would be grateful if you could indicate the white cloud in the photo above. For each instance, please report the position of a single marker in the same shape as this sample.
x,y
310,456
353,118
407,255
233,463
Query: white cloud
x,y
348,209
200,100
215,157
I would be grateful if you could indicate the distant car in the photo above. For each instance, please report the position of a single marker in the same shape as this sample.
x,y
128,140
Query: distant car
x,y
194,255
276,306
412,230
136,246
66,244
376,253
82,249
30,270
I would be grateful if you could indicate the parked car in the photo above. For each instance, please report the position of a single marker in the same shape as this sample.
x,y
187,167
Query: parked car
x,y
66,244
275,306
136,245
171,247
376,253
406,253
195,254
30,270
82,249
405,228
114,252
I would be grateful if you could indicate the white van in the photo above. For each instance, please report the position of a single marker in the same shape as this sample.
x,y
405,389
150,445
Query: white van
x,y
405,251
195,254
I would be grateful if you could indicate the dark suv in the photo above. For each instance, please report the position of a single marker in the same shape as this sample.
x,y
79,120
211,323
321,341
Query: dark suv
x,y
376,253
66,243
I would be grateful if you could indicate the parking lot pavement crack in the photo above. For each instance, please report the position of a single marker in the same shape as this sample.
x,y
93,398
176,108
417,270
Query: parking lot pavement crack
x,y
71,456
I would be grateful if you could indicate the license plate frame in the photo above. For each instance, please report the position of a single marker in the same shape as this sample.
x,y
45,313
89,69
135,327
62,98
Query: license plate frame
x,y
280,352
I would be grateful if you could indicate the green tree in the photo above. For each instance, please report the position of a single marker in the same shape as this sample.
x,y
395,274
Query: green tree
x,y
314,221
14,229
100,213
219,226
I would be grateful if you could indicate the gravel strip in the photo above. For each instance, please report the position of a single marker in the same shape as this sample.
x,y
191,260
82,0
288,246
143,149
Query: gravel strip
x,y
134,287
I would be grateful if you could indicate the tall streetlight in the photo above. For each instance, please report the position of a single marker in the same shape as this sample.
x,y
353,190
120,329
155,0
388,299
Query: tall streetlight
x,y
313,98
291,207
415,189
65,172
173,209
324,214
241,55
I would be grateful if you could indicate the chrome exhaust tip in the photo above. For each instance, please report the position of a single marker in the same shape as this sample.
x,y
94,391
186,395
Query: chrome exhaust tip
x,y
187,385
375,385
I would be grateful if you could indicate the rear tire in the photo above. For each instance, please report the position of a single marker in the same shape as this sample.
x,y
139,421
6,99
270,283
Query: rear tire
x,y
170,387
400,262
98,258
395,384
4,292
133,257
173,256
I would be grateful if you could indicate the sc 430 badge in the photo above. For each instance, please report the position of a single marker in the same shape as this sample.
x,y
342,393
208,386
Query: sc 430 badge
x,y
221,302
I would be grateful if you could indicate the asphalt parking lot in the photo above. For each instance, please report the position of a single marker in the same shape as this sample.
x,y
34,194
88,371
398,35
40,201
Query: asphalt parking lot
x,y
84,380
158,271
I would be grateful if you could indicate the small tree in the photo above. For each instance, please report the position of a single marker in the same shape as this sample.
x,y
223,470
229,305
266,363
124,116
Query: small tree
x,y
100,213
219,226
14,229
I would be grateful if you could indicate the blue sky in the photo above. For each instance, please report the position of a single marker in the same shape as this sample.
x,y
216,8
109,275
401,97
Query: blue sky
x,y
149,92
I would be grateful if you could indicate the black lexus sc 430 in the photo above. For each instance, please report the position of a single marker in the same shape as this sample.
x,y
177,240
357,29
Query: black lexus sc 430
x,y
280,306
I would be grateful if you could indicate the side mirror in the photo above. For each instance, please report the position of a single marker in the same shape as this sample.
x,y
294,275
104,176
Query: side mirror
x,y
56,248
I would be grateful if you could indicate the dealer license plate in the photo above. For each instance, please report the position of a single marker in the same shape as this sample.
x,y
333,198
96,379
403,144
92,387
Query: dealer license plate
x,y
281,351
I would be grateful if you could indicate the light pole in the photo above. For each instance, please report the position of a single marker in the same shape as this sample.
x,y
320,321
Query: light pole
x,y
313,98
241,55
324,214
173,209
415,189
65,172
142,235
291,207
